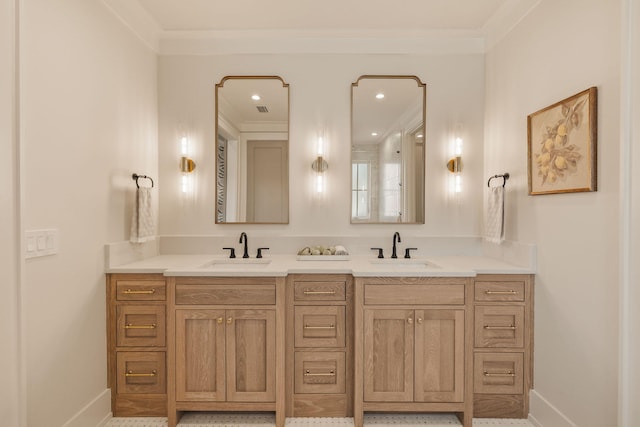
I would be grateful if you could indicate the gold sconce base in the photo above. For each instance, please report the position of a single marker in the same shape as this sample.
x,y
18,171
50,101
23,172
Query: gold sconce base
x,y
187,165
455,165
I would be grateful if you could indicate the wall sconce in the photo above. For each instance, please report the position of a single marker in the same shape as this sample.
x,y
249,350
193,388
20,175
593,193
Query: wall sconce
x,y
186,165
454,166
319,166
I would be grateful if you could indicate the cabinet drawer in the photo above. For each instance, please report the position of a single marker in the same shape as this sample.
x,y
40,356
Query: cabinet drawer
x,y
498,373
141,372
319,291
322,326
226,294
451,294
140,325
320,372
141,290
499,326
499,291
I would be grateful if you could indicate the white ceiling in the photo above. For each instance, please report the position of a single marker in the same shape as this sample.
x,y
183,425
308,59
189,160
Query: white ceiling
x,y
180,26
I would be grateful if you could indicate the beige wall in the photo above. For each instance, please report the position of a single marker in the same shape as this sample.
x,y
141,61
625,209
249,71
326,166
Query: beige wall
x,y
320,91
9,354
562,48
88,121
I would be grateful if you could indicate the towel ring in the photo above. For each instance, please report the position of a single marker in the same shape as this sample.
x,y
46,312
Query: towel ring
x,y
136,177
504,176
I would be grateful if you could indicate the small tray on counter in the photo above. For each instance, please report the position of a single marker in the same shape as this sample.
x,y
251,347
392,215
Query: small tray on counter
x,y
323,257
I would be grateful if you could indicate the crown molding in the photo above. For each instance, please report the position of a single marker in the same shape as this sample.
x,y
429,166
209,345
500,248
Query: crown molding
x,y
320,41
137,20
505,19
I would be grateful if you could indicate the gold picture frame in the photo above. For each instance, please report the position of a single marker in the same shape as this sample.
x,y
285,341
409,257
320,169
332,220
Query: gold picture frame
x,y
562,145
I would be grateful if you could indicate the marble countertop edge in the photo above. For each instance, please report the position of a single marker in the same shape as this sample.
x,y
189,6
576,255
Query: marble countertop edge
x,y
283,265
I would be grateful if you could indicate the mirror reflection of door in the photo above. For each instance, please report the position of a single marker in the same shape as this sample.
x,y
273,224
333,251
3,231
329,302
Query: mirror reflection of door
x,y
252,150
267,180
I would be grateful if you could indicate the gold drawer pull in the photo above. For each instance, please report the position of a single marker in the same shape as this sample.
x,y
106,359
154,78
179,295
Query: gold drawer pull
x,y
510,327
130,326
509,292
308,373
133,374
331,326
499,374
308,292
146,292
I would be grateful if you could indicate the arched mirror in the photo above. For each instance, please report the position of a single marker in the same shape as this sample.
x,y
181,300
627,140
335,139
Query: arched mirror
x,y
387,149
252,150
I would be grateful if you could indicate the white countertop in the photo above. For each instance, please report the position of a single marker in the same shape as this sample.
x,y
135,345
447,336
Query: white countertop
x,y
356,265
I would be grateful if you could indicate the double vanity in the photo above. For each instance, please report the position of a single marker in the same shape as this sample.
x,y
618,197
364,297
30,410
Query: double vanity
x,y
332,338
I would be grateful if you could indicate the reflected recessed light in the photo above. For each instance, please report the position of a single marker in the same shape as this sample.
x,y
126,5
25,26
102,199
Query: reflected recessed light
x,y
374,133
419,135
379,95
255,97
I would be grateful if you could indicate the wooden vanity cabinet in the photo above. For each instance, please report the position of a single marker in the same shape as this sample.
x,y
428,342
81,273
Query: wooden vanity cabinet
x,y
412,352
136,344
503,345
226,344
369,344
319,372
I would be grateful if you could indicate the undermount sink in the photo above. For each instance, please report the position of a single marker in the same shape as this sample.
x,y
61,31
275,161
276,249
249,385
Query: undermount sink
x,y
404,263
236,263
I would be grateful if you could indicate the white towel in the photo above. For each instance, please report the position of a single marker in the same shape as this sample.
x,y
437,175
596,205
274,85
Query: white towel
x,y
494,228
142,227
341,250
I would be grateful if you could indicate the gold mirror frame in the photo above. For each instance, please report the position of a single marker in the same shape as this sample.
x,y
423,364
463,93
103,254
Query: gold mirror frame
x,y
401,127
247,148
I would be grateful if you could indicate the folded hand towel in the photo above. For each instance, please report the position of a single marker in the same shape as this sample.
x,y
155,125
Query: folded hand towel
x,y
142,227
494,228
341,250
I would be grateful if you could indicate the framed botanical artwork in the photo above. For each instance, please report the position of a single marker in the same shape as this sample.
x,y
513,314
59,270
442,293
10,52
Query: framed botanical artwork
x,y
562,145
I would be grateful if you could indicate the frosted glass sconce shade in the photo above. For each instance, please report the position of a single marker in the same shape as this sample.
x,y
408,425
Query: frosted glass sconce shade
x,y
320,165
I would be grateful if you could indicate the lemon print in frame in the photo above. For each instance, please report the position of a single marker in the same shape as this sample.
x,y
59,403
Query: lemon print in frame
x,y
562,145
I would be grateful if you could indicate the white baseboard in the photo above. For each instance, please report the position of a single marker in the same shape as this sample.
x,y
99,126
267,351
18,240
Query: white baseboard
x,y
105,420
95,413
543,414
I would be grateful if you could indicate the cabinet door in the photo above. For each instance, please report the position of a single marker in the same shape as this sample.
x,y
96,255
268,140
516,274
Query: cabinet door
x,y
388,352
200,355
251,363
439,364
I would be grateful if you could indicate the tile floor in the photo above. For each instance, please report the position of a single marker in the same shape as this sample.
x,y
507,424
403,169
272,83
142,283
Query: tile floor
x,y
267,420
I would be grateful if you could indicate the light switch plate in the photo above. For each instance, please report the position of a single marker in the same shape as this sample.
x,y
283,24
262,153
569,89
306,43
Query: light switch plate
x,y
41,242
